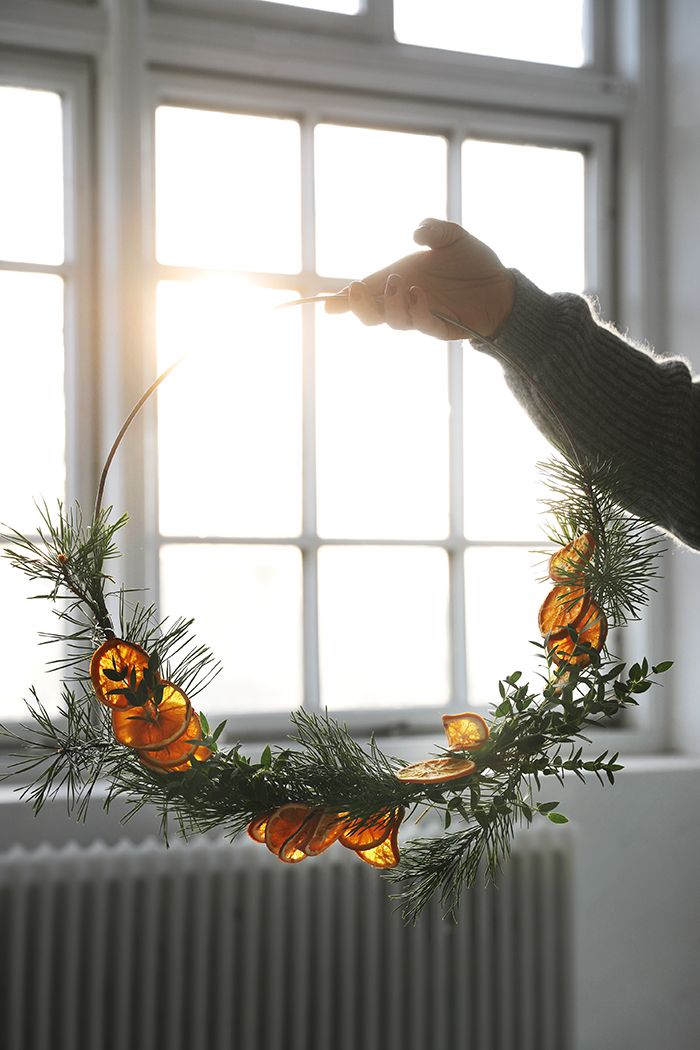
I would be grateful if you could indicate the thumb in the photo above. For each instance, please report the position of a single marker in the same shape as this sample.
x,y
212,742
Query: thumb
x,y
436,233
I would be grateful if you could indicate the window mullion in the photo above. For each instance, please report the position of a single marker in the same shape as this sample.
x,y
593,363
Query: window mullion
x,y
456,446
309,525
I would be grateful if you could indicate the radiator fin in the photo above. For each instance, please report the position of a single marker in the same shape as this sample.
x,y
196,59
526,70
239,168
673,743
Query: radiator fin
x,y
132,947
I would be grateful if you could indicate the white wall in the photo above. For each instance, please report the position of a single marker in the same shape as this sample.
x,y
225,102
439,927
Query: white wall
x,y
637,907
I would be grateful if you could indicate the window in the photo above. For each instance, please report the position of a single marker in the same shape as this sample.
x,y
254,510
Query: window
x,y
321,486
349,513
39,335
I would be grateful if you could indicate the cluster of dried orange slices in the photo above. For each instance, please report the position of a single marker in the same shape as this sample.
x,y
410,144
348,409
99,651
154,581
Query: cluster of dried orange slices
x,y
571,622
296,831
149,714
465,732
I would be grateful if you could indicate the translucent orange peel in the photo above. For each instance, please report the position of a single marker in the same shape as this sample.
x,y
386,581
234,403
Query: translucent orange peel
x,y
571,560
175,756
565,605
593,631
387,853
294,849
365,836
152,727
465,732
256,828
111,666
284,823
436,770
327,831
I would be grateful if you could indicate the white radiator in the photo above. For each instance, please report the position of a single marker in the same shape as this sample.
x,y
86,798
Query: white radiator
x,y
221,947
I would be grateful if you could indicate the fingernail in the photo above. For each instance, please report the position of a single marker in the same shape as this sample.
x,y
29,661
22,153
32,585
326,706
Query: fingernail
x,y
391,286
413,296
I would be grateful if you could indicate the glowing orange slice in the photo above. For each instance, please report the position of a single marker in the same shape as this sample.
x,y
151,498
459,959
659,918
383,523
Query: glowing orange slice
x,y
175,757
111,666
570,561
284,823
297,842
593,631
368,835
326,832
564,605
386,854
465,732
150,728
437,770
256,828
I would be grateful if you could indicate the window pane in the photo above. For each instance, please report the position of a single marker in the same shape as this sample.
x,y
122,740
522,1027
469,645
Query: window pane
x,y
23,660
372,189
31,176
227,190
229,419
341,7
382,424
32,401
247,607
502,446
527,203
383,627
502,601
537,31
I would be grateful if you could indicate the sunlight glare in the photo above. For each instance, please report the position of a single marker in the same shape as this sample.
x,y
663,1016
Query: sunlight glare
x,y
549,31
227,190
31,176
502,599
382,411
372,189
341,7
384,614
246,601
229,418
32,399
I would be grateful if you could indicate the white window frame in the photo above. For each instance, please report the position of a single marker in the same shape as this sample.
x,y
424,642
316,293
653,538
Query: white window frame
x,y
70,80
138,48
455,123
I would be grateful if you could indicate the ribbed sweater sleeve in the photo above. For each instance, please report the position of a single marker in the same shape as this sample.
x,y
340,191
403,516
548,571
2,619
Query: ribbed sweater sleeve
x,y
620,402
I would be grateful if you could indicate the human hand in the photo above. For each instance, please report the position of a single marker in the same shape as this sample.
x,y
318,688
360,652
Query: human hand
x,y
458,276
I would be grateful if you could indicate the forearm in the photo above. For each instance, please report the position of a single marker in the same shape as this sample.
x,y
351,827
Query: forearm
x,y
619,402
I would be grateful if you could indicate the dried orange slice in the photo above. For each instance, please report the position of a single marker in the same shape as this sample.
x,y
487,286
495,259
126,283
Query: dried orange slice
x,y
386,854
593,631
256,828
284,823
564,605
327,831
570,561
150,728
465,732
110,668
435,770
297,842
175,757
366,836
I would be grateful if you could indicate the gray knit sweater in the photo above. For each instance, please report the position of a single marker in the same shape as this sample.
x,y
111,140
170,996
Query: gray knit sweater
x,y
620,402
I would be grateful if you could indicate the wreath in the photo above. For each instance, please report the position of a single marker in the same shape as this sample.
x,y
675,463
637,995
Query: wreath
x,y
130,678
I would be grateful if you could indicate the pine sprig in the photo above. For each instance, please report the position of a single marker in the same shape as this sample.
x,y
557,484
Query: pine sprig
x,y
70,555
625,562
